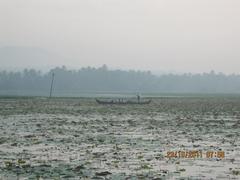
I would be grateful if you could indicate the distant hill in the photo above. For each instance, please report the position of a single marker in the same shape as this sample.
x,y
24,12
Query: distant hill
x,y
26,57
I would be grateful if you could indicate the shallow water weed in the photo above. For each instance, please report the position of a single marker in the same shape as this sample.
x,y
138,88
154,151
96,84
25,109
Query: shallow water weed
x,y
62,139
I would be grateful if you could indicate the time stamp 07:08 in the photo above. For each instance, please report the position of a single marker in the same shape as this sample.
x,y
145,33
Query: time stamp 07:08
x,y
195,154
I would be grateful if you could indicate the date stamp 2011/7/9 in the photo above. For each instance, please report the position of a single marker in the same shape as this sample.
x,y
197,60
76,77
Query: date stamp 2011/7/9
x,y
195,154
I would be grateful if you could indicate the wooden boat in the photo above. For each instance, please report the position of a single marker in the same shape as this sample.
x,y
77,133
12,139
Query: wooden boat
x,y
111,102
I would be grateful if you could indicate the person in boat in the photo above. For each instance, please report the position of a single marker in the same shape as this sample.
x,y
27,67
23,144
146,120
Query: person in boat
x,y
138,98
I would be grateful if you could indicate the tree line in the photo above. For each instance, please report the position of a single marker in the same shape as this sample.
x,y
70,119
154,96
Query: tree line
x,y
102,79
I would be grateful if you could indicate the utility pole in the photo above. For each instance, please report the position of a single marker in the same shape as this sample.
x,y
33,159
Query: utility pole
x,y
51,89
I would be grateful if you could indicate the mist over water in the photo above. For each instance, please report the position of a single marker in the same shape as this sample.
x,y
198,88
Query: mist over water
x,y
119,89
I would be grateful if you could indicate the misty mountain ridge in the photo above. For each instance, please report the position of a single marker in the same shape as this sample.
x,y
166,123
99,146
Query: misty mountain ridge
x,y
27,57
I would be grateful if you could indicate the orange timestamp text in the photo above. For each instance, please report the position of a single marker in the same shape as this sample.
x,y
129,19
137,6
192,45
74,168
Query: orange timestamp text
x,y
195,154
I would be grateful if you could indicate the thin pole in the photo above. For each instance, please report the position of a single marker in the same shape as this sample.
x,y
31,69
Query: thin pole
x,y
51,89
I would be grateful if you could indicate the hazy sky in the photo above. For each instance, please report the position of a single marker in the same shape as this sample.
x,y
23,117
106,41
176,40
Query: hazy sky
x,y
167,35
